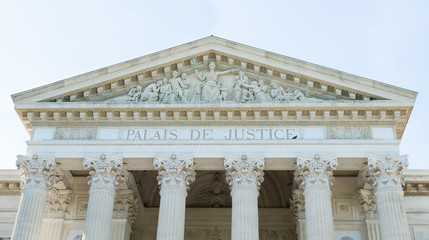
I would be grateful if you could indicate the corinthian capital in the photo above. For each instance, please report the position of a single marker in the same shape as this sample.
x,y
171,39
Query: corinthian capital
x,y
57,203
174,172
38,172
104,172
298,204
387,172
125,206
315,172
369,203
244,172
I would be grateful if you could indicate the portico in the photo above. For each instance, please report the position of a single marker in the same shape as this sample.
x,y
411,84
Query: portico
x,y
211,142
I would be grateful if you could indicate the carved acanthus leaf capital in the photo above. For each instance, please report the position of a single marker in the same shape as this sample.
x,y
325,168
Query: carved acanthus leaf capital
x,y
57,203
386,172
315,172
298,204
104,172
175,172
244,172
38,172
125,206
369,203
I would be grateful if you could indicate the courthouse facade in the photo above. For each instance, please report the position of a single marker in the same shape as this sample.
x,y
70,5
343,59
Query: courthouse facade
x,y
214,140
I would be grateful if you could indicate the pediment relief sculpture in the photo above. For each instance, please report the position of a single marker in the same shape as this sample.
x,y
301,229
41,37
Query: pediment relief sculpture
x,y
235,85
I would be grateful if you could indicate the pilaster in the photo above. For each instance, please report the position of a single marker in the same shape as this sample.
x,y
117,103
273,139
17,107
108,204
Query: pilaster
x,y
38,174
315,175
369,205
55,210
244,176
174,177
385,174
124,214
106,173
298,212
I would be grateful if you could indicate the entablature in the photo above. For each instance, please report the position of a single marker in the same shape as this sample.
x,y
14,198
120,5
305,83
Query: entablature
x,y
368,113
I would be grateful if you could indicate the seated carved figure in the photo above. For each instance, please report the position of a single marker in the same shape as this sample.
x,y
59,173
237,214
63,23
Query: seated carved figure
x,y
295,95
240,79
278,93
247,95
135,94
151,92
165,91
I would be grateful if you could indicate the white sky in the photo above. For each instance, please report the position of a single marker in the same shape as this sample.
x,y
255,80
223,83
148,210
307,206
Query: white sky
x,y
46,41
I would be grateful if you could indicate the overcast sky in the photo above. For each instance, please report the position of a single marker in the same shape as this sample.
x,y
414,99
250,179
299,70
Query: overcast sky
x,y
46,41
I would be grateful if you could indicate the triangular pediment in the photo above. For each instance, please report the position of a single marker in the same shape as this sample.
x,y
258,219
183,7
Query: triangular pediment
x,y
264,77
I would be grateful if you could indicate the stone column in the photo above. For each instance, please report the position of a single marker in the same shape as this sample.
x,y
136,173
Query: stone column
x,y
106,173
369,205
124,214
386,176
55,210
38,176
244,176
298,212
316,176
174,177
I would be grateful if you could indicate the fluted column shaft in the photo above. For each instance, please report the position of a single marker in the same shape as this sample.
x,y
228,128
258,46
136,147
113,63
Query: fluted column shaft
x,y
373,229
318,214
51,228
386,176
30,214
174,177
392,215
316,176
245,177
99,214
245,214
106,174
38,177
171,222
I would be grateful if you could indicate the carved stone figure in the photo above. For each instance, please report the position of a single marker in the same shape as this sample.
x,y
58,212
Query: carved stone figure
x,y
240,79
176,87
151,92
277,93
135,94
165,91
223,94
295,95
185,87
257,92
264,90
247,95
210,91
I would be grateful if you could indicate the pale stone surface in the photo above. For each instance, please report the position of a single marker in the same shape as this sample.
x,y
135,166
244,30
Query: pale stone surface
x,y
333,113
175,174
315,175
244,175
298,212
38,176
369,205
106,174
386,176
